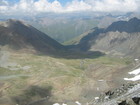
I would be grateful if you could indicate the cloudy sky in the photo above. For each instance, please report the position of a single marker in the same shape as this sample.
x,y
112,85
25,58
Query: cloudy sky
x,y
66,6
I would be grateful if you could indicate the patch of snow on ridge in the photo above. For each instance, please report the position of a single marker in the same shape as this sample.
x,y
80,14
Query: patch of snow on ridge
x,y
64,104
136,78
96,98
78,103
136,59
136,73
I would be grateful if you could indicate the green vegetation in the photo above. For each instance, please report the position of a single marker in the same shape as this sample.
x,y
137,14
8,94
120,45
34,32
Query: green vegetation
x,y
59,78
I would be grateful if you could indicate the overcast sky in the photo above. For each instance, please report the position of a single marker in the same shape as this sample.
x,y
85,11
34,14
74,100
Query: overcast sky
x,y
65,6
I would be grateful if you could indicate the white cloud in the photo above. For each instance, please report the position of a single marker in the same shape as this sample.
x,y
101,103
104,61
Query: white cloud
x,y
115,5
3,2
45,6
78,6
3,6
34,7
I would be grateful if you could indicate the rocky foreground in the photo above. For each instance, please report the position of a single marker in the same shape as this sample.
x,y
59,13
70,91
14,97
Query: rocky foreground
x,y
127,94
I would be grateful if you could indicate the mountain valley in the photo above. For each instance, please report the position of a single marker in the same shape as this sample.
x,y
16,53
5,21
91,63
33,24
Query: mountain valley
x,y
37,70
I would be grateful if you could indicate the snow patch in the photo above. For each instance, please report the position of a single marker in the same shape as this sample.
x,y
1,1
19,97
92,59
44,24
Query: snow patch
x,y
78,103
64,104
96,98
135,72
136,59
136,78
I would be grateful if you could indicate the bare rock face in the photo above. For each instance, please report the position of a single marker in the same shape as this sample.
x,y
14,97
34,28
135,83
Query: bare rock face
x,y
127,94
131,101
136,100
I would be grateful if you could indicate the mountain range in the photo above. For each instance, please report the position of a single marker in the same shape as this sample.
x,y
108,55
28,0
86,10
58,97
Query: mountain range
x,y
64,27
121,38
34,78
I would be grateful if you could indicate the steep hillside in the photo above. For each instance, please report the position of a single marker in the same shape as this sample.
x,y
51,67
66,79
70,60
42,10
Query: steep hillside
x,y
18,35
120,38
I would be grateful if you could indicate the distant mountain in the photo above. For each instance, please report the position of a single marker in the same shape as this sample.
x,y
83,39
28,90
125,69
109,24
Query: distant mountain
x,y
63,28
18,36
131,26
120,38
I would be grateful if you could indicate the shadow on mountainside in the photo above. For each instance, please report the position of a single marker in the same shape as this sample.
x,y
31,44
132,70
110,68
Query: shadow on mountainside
x,y
23,38
130,27
71,54
20,36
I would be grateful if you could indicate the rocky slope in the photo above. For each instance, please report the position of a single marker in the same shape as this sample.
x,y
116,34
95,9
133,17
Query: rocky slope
x,y
127,94
120,38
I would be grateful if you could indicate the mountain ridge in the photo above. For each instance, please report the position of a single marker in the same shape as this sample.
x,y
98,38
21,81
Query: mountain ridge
x,y
120,38
19,35
131,26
